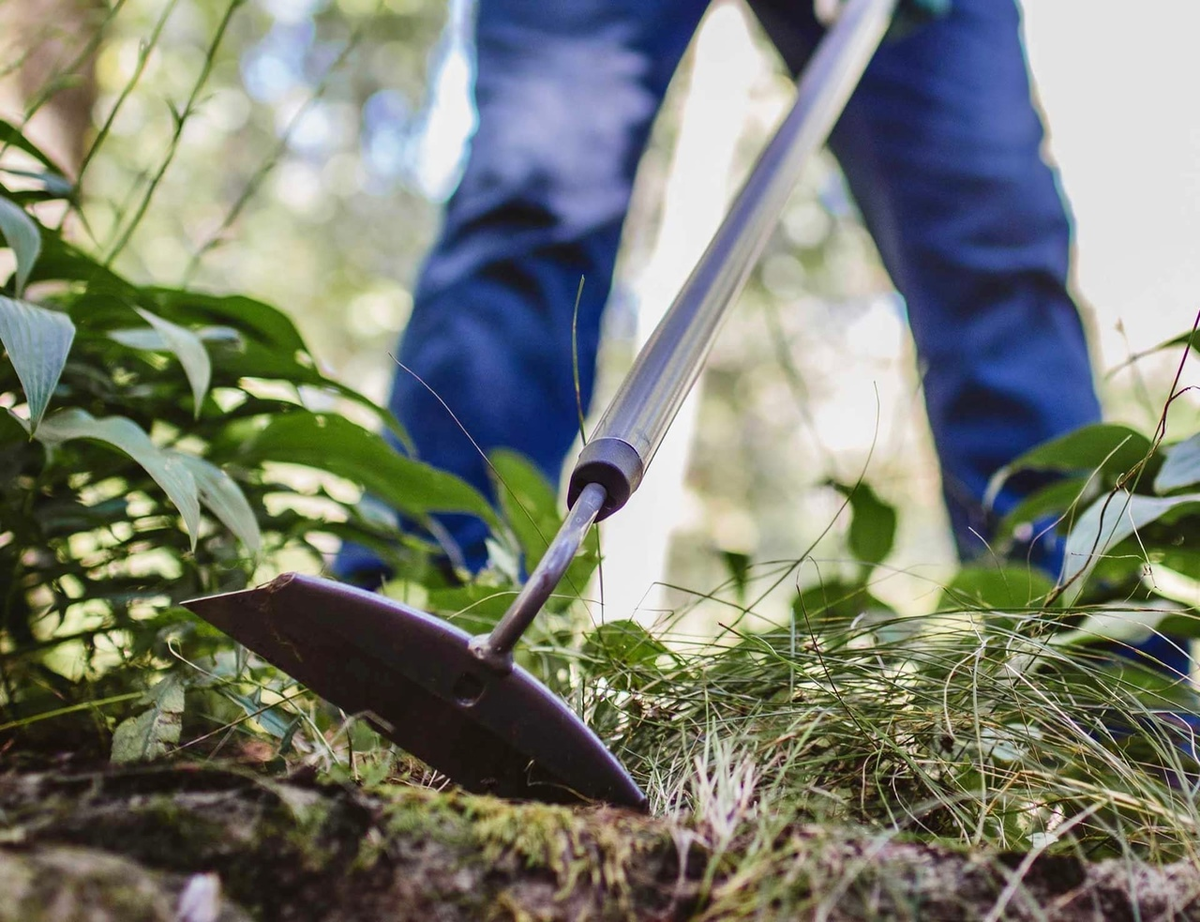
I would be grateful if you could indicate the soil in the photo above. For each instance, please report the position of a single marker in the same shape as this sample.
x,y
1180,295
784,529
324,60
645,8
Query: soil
x,y
210,843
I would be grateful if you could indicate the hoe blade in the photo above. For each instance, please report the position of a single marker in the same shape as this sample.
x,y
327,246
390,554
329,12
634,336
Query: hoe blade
x,y
412,676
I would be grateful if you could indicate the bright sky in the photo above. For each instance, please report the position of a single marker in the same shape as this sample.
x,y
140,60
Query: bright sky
x,y
1118,83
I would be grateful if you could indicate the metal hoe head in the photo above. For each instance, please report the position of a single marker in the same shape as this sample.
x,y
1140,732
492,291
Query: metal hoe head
x,y
414,678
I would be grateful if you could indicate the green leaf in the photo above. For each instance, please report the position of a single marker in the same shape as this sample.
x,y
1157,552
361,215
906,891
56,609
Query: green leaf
x,y
1108,521
872,523
224,499
54,185
150,340
737,565
475,608
1181,467
38,342
270,345
277,723
12,136
152,733
335,444
1191,339
23,238
253,319
627,649
1106,447
529,504
1054,499
189,350
1008,588
62,262
168,469
833,601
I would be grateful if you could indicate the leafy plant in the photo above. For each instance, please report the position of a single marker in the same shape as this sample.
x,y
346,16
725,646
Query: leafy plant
x,y
158,444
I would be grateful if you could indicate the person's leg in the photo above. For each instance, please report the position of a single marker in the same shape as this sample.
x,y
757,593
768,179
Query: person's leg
x,y
943,150
566,92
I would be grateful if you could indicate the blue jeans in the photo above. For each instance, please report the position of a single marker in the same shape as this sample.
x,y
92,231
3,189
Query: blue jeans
x,y
942,149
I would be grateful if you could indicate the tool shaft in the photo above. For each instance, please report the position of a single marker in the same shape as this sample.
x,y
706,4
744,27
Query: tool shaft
x,y
612,464
636,421
495,649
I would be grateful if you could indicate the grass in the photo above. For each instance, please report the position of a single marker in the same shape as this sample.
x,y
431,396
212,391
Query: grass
x,y
966,729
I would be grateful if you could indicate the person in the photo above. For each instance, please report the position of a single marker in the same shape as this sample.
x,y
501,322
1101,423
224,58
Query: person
x,y
942,148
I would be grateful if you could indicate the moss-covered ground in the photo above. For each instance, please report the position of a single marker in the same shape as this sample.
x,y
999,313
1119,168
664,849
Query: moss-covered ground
x,y
204,843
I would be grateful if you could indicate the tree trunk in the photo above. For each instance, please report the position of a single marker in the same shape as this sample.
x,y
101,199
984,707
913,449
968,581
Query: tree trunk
x,y
47,72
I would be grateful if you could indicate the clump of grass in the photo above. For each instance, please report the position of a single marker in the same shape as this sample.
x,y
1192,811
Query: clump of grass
x,y
974,730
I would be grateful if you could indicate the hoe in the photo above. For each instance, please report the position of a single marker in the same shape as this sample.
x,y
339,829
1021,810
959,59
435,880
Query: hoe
x,y
458,702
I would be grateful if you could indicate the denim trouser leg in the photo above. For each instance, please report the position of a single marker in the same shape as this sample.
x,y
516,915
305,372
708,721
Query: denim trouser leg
x,y
566,93
942,149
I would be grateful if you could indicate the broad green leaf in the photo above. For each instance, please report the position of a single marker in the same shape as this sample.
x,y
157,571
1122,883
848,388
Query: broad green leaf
x,y
1108,521
529,504
167,468
37,341
62,262
872,523
1181,468
189,350
1055,499
833,601
54,185
150,340
625,642
152,733
276,722
269,346
737,565
225,500
13,429
254,319
1151,689
625,651
335,444
1009,588
474,608
12,136
22,236
1107,447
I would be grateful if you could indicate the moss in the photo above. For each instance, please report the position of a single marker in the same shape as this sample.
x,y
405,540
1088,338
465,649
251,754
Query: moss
x,y
521,848
289,851
436,814
16,883
66,884
596,849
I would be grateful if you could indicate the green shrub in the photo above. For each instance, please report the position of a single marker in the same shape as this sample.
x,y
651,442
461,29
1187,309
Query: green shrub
x,y
158,444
